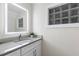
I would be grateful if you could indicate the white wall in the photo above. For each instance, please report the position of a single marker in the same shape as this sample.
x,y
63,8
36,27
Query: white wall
x,y
56,41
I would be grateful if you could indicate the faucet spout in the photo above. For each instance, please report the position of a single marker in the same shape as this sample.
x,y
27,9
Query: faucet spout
x,y
20,37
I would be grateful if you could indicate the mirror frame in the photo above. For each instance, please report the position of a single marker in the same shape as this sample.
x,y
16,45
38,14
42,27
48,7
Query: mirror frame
x,y
6,18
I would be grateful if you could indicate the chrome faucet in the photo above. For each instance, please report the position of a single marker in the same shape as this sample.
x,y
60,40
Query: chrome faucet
x,y
20,37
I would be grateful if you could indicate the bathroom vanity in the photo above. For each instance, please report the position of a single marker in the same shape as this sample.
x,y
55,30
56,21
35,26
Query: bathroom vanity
x,y
28,47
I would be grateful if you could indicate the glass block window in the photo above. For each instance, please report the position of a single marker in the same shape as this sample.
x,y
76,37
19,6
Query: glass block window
x,y
64,14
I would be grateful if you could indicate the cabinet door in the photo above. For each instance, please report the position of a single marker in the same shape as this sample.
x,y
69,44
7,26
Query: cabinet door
x,y
26,49
15,53
37,50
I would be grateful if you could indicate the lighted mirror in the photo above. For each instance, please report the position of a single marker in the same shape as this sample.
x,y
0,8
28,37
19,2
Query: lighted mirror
x,y
16,18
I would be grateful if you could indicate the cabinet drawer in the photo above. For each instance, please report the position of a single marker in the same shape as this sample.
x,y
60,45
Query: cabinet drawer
x,y
25,49
38,50
14,53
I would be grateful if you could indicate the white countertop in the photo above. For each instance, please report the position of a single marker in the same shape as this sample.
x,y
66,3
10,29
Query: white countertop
x,y
7,47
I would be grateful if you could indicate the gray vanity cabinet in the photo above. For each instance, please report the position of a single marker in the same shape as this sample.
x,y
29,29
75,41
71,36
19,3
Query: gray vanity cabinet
x,y
32,49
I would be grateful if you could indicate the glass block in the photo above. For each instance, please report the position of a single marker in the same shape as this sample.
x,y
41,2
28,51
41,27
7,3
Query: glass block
x,y
57,21
74,12
74,20
65,14
65,7
51,17
51,11
73,5
57,15
57,9
65,20
51,21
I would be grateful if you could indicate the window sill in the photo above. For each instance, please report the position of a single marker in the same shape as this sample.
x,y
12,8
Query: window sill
x,y
64,25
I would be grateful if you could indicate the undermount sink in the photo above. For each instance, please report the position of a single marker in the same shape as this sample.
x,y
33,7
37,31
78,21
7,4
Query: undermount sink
x,y
23,42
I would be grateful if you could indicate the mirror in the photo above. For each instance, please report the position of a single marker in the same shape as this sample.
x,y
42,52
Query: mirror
x,y
16,18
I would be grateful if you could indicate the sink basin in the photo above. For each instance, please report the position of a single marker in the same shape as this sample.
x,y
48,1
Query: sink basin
x,y
23,42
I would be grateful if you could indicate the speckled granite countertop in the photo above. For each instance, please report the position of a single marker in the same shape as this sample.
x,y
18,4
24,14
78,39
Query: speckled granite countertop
x,y
12,46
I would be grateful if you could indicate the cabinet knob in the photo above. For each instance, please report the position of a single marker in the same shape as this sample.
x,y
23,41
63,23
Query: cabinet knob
x,y
34,53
